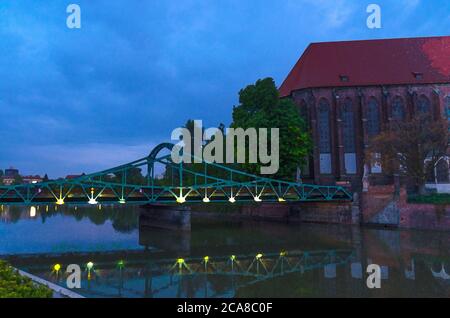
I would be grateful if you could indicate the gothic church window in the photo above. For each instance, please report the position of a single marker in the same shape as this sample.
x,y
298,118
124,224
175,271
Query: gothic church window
x,y
373,118
423,104
348,132
324,136
398,109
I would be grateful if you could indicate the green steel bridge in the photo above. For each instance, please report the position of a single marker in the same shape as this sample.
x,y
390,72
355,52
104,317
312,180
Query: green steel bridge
x,y
183,183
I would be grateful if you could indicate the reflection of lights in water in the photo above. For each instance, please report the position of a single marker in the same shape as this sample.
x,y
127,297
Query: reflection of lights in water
x,y
90,266
32,212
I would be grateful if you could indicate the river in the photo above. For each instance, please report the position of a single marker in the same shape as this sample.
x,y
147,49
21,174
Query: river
x,y
221,258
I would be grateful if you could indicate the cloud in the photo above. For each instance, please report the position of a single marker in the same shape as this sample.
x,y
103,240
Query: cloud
x,y
138,69
83,158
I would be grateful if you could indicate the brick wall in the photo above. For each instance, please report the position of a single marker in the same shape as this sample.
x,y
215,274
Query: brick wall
x,y
423,216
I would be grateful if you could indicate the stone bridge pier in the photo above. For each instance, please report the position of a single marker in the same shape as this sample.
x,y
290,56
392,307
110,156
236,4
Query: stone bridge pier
x,y
169,217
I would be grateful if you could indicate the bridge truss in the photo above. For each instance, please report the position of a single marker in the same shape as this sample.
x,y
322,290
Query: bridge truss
x,y
182,183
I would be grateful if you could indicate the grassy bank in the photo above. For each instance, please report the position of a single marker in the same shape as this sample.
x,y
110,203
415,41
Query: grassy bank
x,y
435,198
13,285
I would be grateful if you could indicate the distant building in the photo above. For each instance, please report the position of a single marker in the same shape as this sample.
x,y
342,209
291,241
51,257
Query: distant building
x,y
350,91
8,180
74,176
11,172
31,179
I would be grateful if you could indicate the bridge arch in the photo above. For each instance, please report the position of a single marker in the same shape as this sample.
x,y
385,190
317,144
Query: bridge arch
x,y
166,145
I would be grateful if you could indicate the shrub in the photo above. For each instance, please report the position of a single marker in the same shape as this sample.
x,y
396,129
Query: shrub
x,y
435,198
14,285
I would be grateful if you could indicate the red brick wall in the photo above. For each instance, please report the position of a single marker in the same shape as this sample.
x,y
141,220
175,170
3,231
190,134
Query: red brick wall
x,y
375,200
360,95
423,216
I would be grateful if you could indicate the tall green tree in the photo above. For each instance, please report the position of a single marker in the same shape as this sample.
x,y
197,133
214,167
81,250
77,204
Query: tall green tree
x,y
260,106
133,176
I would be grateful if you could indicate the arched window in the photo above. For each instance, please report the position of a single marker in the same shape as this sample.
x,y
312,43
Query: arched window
x,y
423,104
348,132
447,106
442,172
323,122
348,126
398,109
304,112
373,118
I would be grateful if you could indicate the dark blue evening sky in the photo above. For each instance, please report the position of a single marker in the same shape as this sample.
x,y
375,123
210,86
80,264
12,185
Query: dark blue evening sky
x,y
76,101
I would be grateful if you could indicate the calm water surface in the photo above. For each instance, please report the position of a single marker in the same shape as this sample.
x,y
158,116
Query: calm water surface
x,y
243,259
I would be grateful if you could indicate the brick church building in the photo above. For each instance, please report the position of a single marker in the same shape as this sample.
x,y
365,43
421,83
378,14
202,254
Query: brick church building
x,y
349,91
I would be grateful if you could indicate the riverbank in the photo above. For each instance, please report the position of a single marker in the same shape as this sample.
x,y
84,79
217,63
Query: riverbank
x,y
15,285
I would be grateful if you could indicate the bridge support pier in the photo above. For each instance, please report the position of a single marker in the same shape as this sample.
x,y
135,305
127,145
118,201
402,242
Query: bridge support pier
x,y
165,217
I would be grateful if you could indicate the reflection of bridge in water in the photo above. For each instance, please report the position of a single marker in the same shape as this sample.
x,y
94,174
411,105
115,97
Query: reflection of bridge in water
x,y
185,183
326,261
190,277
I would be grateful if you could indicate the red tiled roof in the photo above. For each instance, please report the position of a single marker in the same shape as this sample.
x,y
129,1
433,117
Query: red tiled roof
x,y
73,176
371,62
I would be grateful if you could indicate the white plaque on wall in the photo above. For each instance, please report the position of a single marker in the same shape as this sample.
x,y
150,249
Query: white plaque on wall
x,y
325,163
350,163
376,163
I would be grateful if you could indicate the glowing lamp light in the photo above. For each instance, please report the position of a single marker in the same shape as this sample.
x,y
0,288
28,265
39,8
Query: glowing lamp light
x,y
283,253
122,201
233,257
232,200
60,201
57,267
180,261
92,201
281,200
32,212
257,199
89,266
206,259
121,264
181,200
206,200
259,256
